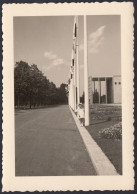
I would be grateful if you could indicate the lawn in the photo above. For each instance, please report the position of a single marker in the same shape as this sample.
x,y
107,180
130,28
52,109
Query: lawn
x,y
105,117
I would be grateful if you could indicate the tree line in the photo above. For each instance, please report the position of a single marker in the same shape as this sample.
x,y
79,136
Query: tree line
x,y
33,89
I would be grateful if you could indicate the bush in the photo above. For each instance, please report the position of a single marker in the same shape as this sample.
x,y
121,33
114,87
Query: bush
x,y
113,132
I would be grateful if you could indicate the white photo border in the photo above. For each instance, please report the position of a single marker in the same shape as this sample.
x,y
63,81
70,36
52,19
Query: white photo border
x,y
63,183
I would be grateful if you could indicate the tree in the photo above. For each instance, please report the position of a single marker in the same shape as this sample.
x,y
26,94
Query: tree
x,y
34,89
63,93
21,77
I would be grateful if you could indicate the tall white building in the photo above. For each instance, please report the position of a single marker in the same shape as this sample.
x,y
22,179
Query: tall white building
x,y
105,89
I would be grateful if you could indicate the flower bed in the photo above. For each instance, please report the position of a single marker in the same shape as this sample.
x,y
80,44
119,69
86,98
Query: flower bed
x,y
113,132
106,129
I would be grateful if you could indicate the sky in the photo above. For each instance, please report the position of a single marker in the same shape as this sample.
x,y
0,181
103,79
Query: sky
x,y
47,42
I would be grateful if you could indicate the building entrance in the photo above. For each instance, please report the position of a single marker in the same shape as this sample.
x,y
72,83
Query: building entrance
x,y
105,90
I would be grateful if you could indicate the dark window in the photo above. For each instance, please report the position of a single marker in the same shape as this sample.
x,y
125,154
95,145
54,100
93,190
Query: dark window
x,y
73,62
115,83
119,83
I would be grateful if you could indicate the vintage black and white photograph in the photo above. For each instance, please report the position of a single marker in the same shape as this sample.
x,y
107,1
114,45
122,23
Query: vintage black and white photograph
x,y
68,109
67,66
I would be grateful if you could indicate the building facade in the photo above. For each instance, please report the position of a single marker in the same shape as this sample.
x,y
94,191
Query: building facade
x,y
105,90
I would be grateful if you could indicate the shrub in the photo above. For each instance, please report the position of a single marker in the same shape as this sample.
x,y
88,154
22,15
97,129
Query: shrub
x,y
113,132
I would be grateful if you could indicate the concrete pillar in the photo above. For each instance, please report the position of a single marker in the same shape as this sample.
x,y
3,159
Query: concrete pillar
x,y
86,73
99,89
106,90
94,89
75,85
77,62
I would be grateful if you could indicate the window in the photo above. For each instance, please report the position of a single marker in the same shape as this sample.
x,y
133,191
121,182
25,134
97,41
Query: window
x,y
119,83
115,83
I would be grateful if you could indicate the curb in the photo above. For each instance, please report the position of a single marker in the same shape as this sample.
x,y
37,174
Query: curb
x,y
100,161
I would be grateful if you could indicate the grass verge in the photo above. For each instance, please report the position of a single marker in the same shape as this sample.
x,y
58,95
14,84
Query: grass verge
x,y
102,117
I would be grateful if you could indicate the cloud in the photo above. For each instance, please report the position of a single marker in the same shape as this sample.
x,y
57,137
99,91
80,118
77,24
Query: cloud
x,y
95,40
50,56
98,33
54,60
57,62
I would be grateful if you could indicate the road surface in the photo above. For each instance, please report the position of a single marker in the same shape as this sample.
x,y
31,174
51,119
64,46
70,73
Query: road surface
x,y
47,143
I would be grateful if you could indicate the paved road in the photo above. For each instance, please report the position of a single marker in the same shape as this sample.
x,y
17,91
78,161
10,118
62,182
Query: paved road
x,y
47,142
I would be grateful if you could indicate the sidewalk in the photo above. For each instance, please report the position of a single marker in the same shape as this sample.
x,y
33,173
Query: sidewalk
x,y
48,143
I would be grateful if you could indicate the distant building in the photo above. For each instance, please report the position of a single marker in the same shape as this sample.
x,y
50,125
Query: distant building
x,y
111,91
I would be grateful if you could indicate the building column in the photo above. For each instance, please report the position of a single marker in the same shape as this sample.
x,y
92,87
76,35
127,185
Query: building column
x,y
75,85
86,73
99,89
106,90
92,90
77,63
